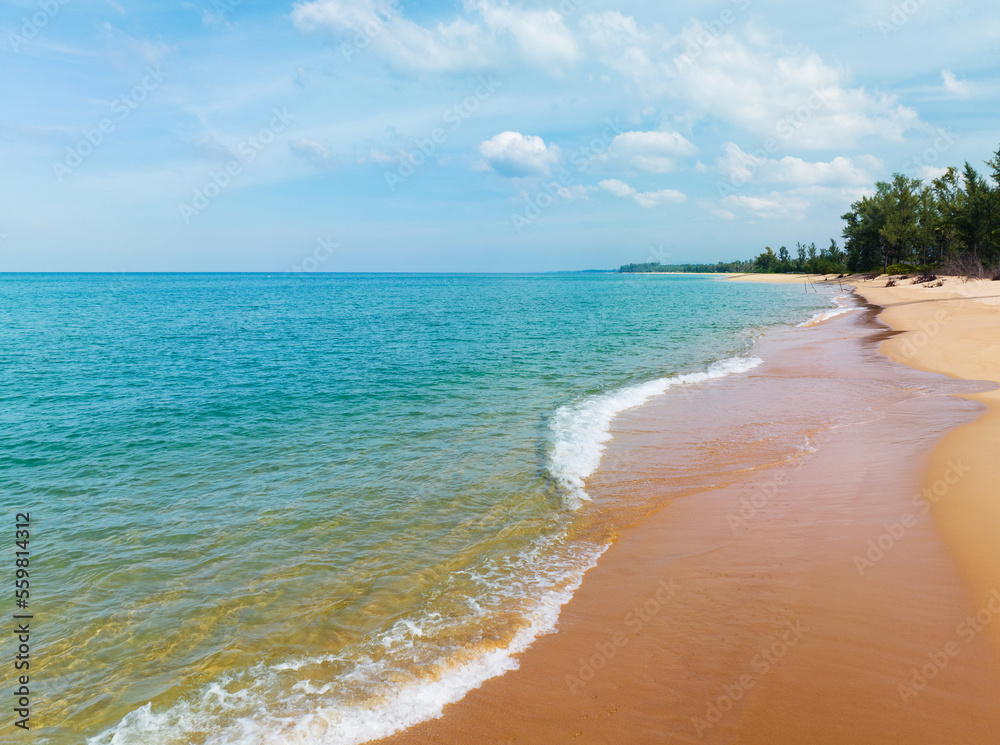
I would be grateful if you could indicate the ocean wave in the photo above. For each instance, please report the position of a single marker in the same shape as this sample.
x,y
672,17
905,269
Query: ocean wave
x,y
581,431
825,315
399,678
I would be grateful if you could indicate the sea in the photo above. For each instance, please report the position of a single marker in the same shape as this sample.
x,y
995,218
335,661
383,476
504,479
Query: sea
x,y
316,508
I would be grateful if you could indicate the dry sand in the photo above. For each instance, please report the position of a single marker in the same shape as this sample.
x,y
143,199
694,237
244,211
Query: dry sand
x,y
778,278
783,579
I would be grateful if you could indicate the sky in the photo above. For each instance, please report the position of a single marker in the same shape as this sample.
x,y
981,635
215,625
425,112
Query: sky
x,y
470,135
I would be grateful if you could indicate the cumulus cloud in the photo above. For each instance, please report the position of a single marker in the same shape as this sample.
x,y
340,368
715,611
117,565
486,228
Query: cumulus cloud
x,y
645,199
652,152
515,155
312,152
791,95
954,86
746,77
739,167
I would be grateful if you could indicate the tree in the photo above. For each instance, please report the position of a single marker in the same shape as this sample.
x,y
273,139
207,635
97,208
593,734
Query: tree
x,y
834,252
900,232
976,223
767,261
949,202
862,239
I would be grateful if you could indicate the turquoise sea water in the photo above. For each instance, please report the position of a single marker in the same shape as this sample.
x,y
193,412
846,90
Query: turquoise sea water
x,y
316,508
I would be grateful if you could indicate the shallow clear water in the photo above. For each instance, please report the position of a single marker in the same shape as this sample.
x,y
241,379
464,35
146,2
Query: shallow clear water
x,y
316,508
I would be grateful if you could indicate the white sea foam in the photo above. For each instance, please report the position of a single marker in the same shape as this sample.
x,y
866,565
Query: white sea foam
x,y
828,314
408,673
279,703
581,431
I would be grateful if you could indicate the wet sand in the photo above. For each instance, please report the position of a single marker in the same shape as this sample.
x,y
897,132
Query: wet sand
x,y
778,576
955,329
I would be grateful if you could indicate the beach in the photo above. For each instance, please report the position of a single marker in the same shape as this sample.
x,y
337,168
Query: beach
x,y
541,509
808,556
329,540
954,330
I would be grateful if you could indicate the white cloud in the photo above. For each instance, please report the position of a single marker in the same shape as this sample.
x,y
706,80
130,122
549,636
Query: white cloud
x,y
775,204
714,209
745,76
540,37
929,173
794,203
621,44
379,26
341,15
652,152
312,152
211,149
557,191
382,158
211,20
739,167
954,86
515,155
645,199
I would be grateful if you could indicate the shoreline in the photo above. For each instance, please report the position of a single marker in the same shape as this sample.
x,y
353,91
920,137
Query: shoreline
x,y
953,330
611,671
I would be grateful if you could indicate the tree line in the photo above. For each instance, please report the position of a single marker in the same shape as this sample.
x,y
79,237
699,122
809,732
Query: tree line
x,y
719,267
951,224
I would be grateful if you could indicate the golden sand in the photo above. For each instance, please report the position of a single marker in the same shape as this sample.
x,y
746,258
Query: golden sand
x,y
798,589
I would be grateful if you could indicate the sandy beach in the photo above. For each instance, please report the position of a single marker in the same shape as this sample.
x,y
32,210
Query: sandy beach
x,y
809,555
955,329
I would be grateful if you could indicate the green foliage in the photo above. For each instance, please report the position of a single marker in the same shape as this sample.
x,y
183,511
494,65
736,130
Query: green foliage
x,y
906,269
905,226
954,220
722,267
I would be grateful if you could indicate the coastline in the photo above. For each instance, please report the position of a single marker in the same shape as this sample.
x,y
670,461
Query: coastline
x,y
955,330
663,641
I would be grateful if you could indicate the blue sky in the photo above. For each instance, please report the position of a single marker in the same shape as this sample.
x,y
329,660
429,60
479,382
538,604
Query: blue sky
x,y
484,135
